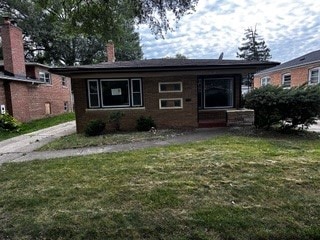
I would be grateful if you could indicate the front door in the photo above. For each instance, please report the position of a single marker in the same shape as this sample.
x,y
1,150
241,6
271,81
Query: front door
x,y
215,95
215,92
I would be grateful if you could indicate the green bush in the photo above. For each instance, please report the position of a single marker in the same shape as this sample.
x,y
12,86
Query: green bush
x,y
9,123
115,119
95,128
145,123
287,107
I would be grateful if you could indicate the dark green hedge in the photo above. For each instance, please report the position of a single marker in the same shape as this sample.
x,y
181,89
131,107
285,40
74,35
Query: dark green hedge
x,y
287,107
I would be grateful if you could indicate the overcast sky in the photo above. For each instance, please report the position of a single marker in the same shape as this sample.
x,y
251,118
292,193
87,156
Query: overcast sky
x,y
290,28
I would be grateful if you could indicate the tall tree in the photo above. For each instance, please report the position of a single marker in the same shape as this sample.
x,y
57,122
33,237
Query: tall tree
x,y
253,47
72,32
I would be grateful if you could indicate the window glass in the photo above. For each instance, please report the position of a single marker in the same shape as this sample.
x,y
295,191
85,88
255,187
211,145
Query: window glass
x,y
170,87
63,81
286,80
170,103
136,92
93,93
218,92
115,93
314,76
66,106
44,77
265,81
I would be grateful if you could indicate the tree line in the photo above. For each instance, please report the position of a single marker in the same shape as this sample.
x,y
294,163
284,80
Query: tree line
x,y
69,32
74,32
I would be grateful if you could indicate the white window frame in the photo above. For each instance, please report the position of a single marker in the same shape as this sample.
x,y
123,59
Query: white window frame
x,y
283,78
265,81
88,83
115,80
132,92
170,83
171,99
45,77
310,73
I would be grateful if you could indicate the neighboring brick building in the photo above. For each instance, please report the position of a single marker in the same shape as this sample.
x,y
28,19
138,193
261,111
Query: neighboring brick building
x,y
297,72
27,90
180,93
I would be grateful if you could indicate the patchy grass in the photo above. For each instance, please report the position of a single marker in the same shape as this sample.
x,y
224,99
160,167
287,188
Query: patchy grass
x,y
231,187
81,141
38,124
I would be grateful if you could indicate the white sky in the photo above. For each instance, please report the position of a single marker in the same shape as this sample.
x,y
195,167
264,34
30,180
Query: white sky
x,y
290,28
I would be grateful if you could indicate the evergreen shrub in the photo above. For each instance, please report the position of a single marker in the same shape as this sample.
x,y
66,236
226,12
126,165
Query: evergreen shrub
x,y
95,128
145,123
274,105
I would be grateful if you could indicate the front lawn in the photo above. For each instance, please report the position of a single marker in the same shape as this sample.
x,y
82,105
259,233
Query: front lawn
x,y
81,141
230,187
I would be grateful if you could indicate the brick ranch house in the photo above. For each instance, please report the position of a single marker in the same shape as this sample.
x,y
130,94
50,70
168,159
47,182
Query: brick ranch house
x,y
299,71
176,93
27,90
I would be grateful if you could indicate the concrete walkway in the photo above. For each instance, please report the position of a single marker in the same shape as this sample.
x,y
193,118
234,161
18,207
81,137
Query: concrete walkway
x,y
22,148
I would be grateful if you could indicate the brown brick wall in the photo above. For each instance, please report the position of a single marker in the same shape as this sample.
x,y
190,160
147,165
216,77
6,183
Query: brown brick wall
x,y
12,47
19,101
27,101
181,118
299,76
55,94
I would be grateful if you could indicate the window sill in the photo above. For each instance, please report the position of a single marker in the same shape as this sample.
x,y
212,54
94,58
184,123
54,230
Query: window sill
x,y
115,109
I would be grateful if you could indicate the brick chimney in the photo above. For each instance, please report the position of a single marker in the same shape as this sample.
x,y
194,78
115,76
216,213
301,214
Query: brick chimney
x,y
110,51
12,47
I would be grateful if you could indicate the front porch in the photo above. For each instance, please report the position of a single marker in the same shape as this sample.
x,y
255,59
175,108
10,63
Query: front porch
x,y
225,117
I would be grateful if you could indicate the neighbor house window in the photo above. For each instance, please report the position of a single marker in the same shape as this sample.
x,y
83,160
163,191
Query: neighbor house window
x,y
265,81
63,81
66,106
45,77
286,80
314,76
170,87
111,93
170,103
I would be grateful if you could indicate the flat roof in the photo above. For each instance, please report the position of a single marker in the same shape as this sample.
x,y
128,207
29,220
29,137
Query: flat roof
x,y
160,65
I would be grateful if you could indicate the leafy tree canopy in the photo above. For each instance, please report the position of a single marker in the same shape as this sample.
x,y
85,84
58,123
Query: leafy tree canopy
x,y
253,47
72,32
177,56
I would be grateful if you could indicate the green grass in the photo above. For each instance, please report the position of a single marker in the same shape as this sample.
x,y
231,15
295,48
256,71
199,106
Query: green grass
x,y
38,124
230,187
81,141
